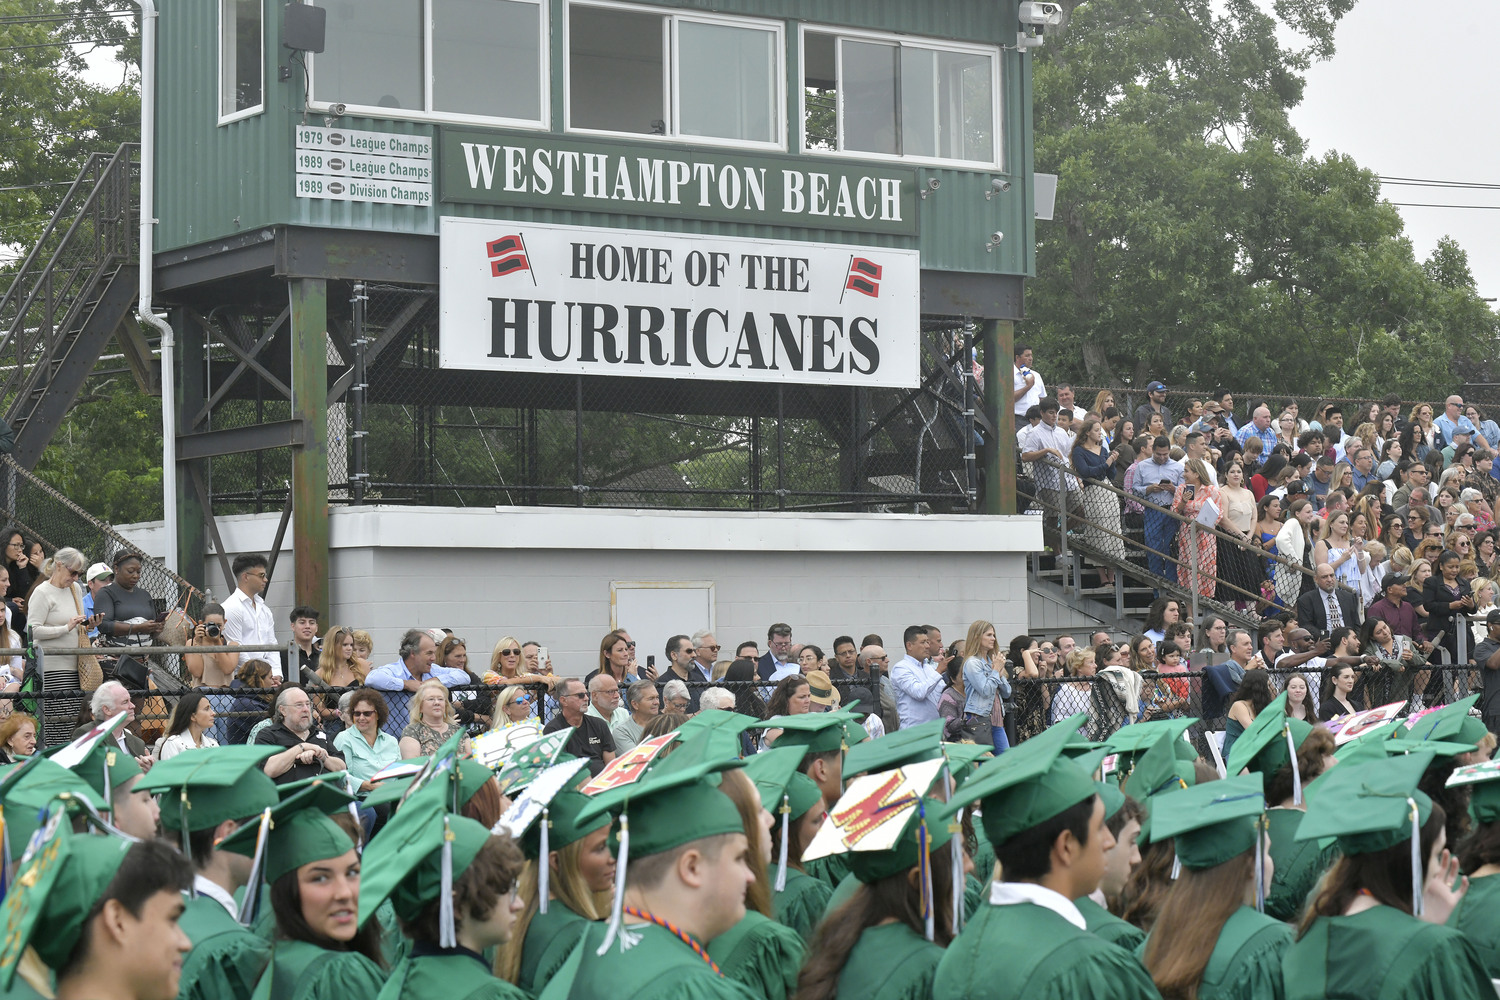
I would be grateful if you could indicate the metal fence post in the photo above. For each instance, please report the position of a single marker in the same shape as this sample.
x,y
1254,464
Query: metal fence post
x,y
359,475
1192,560
1062,527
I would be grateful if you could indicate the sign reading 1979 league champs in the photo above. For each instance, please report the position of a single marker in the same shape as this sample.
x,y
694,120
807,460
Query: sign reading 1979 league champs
x,y
527,297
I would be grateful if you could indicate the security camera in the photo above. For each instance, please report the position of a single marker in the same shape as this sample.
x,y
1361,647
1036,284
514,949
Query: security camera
x,y
998,185
1046,15
995,240
338,110
933,184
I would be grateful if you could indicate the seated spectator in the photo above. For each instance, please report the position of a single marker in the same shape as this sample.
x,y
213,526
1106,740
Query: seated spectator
x,y
189,729
366,746
617,658
415,667
515,705
307,750
433,721
645,704
109,700
1338,692
1252,696
17,737
604,700
507,666
475,707
675,697
716,698
248,706
591,738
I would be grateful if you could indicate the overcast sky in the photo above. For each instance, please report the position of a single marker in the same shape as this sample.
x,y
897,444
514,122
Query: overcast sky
x,y
1405,96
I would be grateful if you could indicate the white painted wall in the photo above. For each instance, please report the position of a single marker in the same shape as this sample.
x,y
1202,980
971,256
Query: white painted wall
x,y
545,573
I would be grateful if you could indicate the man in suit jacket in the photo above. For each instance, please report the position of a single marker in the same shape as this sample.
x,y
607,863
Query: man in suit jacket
x,y
1313,606
109,700
777,662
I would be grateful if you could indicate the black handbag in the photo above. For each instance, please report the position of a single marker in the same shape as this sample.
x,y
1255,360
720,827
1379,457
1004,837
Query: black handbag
x,y
133,673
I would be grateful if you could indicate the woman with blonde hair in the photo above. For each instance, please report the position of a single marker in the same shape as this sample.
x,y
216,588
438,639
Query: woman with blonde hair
x,y
1197,489
1338,549
433,721
985,685
505,666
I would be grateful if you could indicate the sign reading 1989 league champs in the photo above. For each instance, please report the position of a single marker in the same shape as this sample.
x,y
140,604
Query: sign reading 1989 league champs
x,y
526,297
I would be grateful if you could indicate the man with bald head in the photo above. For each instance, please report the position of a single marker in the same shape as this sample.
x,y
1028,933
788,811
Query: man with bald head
x,y
1259,426
1327,607
877,663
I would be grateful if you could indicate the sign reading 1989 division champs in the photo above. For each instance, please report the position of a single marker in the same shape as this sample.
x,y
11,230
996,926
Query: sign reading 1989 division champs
x,y
519,296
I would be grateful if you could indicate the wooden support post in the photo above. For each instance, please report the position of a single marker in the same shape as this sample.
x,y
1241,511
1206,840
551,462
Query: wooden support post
x,y
192,516
310,461
999,453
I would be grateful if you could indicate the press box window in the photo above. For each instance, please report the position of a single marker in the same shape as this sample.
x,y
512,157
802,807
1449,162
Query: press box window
x,y
241,62
468,58
640,72
897,98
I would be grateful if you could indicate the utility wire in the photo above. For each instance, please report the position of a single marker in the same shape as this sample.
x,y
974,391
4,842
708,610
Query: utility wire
x,y
1421,182
1425,204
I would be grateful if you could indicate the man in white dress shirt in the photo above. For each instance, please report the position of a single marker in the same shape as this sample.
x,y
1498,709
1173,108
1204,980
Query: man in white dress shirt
x,y
918,684
247,619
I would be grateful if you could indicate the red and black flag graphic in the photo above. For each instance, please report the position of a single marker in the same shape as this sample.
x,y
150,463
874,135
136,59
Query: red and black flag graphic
x,y
507,255
864,277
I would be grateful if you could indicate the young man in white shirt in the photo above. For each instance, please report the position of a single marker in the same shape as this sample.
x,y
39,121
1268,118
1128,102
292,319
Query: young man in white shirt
x,y
247,619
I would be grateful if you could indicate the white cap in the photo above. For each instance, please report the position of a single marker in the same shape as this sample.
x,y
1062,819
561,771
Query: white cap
x,y
96,571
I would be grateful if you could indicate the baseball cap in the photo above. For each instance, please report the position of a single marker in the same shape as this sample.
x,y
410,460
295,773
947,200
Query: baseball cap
x,y
1156,387
1391,579
99,569
1493,618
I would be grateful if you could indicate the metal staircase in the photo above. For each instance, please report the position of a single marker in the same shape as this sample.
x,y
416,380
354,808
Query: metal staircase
x,y
69,297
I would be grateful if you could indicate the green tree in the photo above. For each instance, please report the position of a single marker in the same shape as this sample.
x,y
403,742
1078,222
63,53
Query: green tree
x,y
106,456
1195,240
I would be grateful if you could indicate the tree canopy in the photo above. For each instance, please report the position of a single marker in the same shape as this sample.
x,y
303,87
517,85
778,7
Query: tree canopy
x,y
1196,240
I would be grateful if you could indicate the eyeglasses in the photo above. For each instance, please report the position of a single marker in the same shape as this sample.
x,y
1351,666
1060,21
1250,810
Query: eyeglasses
x,y
522,699
510,652
361,713
630,643
711,648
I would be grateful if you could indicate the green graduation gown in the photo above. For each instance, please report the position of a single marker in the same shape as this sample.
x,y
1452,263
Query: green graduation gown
x,y
829,869
1246,960
761,953
1298,864
1478,916
303,971
549,939
1383,954
841,894
659,966
226,960
458,974
1023,951
801,904
1106,925
890,962
31,964
984,854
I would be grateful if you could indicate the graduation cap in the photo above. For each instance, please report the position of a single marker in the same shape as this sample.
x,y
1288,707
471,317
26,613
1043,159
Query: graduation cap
x,y
964,759
819,732
202,788
295,832
1369,745
727,727
1131,741
775,775
60,879
531,759
663,810
904,746
1158,772
1450,722
1027,785
1371,806
26,790
1440,749
544,817
471,777
1269,742
632,765
98,760
1484,794
1215,822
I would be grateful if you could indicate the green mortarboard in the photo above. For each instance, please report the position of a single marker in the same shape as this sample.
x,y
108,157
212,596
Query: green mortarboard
x,y
405,863
771,771
297,833
727,727
1443,723
1090,761
1212,822
1141,736
1157,772
1114,799
202,788
28,788
1027,785
1438,748
472,776
55,889
1367,805
94,753
820,732
1369,745
1077,746
964,759
904,746
872,866
1266,746
531,759
1484,794
855,732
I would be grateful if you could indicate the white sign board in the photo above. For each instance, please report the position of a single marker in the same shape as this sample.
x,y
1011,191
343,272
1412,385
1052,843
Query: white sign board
x,y
390,168
527,297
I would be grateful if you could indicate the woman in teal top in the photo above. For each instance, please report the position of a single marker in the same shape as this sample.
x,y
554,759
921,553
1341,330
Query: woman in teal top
x,y
1209,942
1478,913
875,945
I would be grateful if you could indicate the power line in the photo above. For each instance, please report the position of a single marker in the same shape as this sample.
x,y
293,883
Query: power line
x,y
1419,182
63,18
33,187
57,44
1425,204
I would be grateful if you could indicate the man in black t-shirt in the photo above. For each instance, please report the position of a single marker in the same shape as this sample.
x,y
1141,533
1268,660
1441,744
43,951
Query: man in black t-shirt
x,y
1487,655
591,738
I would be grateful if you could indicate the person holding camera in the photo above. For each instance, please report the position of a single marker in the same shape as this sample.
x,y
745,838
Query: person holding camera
x,y
214,667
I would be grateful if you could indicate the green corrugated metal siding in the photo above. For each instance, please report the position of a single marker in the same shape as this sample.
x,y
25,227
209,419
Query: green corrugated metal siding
x,y
215,181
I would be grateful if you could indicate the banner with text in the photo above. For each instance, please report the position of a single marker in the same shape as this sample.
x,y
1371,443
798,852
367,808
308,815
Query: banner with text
x,y
539,298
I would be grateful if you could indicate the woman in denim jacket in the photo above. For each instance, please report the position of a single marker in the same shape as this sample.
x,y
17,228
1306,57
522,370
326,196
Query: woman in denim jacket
x,y
985,687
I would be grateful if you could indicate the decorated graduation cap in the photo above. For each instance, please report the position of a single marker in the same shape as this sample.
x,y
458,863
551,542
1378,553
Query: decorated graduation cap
x,y
663,810
295,832
1484,794
1269,742
1215,822
544,817
819,732
61,877
202,788
1371,806
470,776
775,775
1027,785
884,824
26,790
1446,723
1369,745
98,760
904,746
531,759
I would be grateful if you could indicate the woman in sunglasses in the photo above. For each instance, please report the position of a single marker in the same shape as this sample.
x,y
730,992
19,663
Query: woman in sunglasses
x,y
367,747
517,706
507,666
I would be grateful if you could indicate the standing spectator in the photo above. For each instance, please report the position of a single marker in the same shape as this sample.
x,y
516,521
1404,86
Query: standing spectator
x,y
1393,607
1446,598
189,729
1239,567
1066,402
1259,427
1487,432
1294,544
249,707
778,661
739,679
1452,422
57,622
591,738
1163,613
1195,547
415,667
1339,549
617,658
1048,445
1028,388
681,666
338,666
307,750
509,665
23,575
476,706
1093,464
247,619
918,685
1076,694
645,702
1487,655
366,747
127,615
304,622
215,667
1155,406
604,700
793,696
985,687
705,654
433,721
1325,607
1157,480
96,579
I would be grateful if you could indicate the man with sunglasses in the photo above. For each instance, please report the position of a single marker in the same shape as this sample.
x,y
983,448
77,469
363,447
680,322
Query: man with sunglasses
x,y
591,738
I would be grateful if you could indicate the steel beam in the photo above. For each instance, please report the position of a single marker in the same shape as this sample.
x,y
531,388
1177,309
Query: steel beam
x,y
310,460
239,440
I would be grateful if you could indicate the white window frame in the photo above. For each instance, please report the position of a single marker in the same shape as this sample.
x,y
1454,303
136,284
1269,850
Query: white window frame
x,y
671,17
257,109
542,123
994,52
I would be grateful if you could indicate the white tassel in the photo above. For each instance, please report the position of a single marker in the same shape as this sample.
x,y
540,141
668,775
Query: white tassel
x,y
1416,859
786,832
250,907
359,847
108,798
1260,864
616,908
1176,867
447,933
956,855
544,872
1296,771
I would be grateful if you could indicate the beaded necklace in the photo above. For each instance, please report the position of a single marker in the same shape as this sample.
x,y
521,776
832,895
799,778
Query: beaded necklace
x,y
676,931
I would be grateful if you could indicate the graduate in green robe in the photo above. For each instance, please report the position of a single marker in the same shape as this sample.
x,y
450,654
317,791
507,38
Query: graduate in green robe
x,y
1164,768
1044,816
826,737
209,794
321,951
113,774
1212,938
99,911
1375,928
1122,817
683,857
759,951
1478,913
